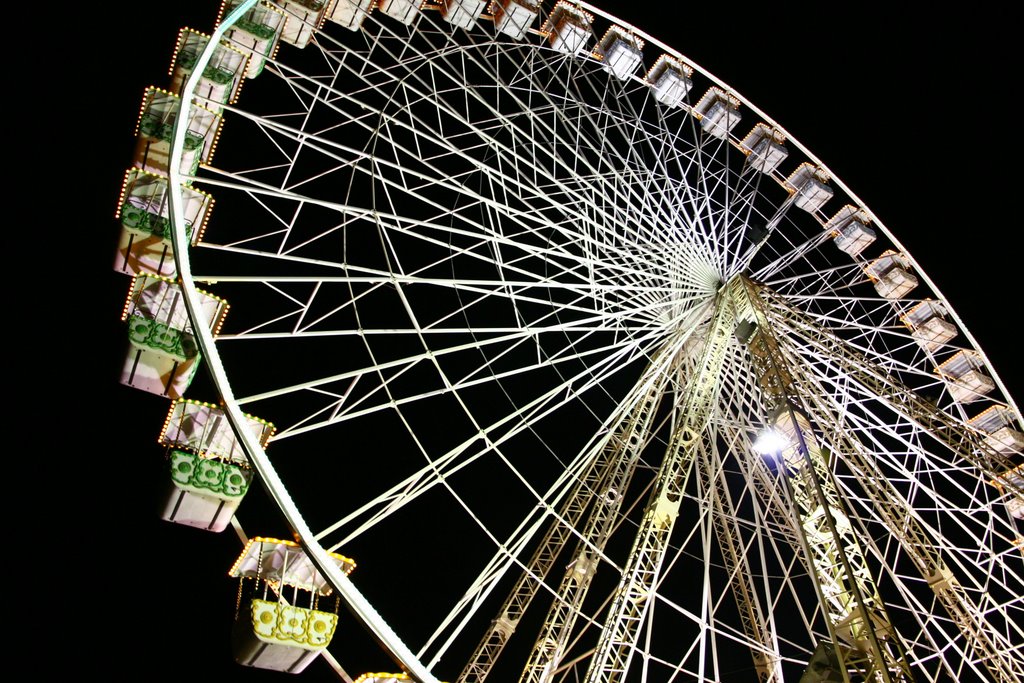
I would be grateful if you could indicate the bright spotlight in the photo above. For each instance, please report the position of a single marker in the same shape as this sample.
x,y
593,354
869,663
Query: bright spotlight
x,y
770,442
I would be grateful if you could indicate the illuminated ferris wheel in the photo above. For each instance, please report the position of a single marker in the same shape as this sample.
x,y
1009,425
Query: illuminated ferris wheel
x,y
573,351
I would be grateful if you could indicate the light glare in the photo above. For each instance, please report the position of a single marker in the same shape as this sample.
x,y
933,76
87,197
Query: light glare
x,y
770,442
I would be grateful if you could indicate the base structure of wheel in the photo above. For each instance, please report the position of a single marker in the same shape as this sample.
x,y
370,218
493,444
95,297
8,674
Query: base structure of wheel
x,y
591,369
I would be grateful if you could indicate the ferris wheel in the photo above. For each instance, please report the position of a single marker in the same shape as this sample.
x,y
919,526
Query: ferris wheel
x,y
562,360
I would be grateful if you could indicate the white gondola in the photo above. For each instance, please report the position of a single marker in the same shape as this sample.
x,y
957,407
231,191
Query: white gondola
x,y
145,244
622,52
514,17
1014,505
965,376
891,275
350,13
257,33
809,185
1000,423
462,13
928,324
670,80
221,80
404,11
279,624
156,126
568,28
718,112
850,225
765,148
162,355
209,472
302,18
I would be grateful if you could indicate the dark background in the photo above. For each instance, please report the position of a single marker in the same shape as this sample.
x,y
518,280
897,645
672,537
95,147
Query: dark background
x,y
913,110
